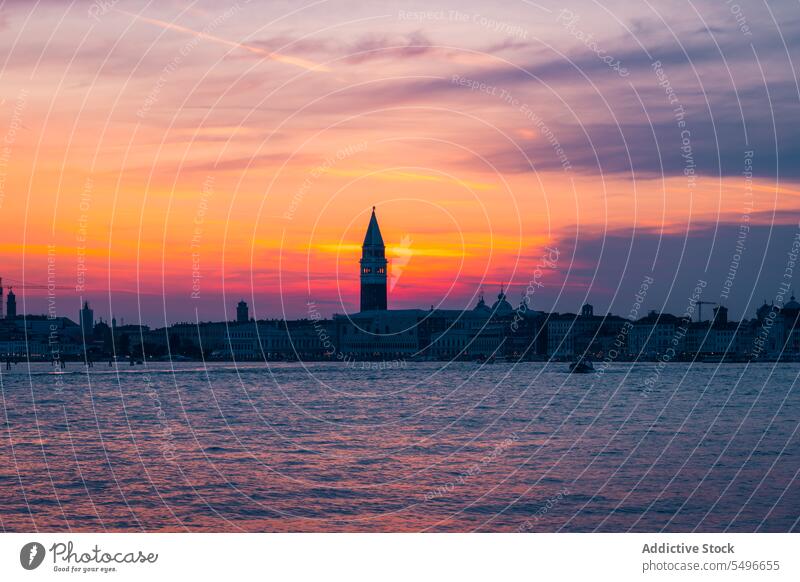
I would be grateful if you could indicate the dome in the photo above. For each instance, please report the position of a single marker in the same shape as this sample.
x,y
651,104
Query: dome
x,y
792,305
763,311
502,306
481,307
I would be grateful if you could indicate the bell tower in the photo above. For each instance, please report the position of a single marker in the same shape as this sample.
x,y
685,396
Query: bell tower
x,y
373,268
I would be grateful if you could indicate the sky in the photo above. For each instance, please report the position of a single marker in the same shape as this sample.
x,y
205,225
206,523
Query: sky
x,y
164,160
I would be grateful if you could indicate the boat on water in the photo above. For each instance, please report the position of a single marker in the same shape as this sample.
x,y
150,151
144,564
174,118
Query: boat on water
x,y
581,366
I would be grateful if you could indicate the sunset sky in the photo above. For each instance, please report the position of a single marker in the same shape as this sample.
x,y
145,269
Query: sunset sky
x,y
152,142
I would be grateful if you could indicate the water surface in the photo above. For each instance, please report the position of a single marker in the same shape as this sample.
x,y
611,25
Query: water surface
x,y
429,447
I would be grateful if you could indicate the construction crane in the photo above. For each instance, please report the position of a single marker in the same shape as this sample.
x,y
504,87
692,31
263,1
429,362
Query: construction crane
x,y
700,308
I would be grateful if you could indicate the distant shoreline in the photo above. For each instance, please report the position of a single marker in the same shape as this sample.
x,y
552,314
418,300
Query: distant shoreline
x,y
390,364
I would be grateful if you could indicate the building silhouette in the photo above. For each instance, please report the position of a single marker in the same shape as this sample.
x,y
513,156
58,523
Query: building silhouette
x,y
570,335
11,305
373,268
241,312
501,307
86,318
485,333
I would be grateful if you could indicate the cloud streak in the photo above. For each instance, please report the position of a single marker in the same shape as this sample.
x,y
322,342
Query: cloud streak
x,y
271,55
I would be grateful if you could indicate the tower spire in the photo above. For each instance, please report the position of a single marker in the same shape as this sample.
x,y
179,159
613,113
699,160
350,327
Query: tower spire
x,y
373,236
373,268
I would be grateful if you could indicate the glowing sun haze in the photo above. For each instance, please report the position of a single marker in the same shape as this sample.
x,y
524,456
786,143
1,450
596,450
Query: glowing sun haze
x,y
156,149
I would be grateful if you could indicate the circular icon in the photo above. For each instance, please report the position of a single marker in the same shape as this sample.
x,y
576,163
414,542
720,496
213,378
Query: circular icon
x,y
31,555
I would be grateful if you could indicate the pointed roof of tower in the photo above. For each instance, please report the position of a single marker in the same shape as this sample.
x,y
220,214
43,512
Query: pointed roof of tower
x,y
373,236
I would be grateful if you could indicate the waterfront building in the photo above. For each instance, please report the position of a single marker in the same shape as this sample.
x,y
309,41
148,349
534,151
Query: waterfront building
x,y
570,335
657,335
